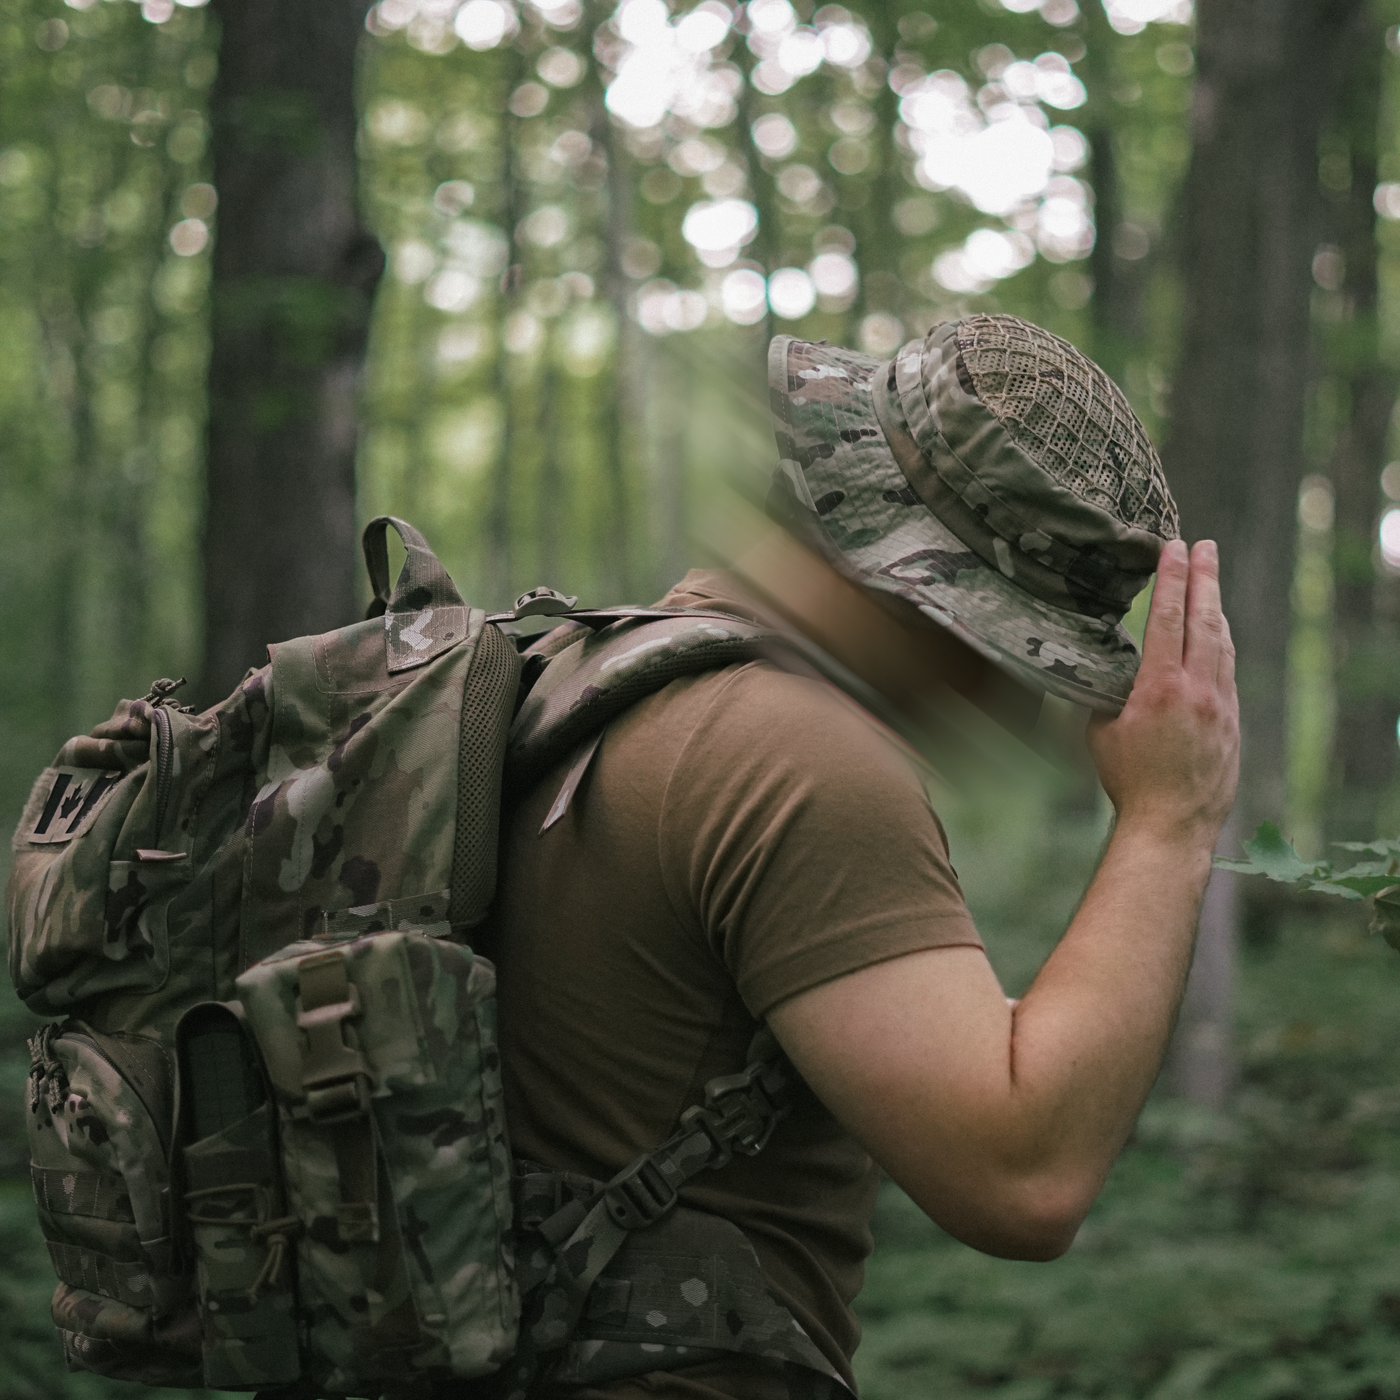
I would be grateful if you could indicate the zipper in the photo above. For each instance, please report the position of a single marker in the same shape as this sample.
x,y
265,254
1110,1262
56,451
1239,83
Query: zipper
x,y
159,698
165,767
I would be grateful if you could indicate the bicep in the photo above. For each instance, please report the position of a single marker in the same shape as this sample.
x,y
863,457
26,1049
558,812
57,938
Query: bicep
x,y
913,1056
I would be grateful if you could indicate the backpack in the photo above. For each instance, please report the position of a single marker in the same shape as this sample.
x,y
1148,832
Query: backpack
x,y
267,1136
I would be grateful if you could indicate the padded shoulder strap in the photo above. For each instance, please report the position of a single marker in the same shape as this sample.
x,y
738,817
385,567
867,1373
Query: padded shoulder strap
x,y
597,677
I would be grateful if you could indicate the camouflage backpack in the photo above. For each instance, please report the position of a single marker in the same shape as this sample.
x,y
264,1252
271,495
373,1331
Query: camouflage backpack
x,y
268,1144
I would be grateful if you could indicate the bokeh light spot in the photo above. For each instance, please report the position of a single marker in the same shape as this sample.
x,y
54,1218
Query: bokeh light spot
x,y
1390,539
791,293
775,136
744,296
188,237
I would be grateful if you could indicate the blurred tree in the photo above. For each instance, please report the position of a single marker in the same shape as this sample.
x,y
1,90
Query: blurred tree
x,y
294,275
102,328
668,185
1268,74
1364,735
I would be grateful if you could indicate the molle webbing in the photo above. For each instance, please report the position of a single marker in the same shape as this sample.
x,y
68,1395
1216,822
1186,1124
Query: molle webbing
x,y
100,1194
125,1280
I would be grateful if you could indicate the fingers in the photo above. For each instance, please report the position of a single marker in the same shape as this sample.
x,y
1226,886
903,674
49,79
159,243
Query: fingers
x,y
1225,664
1205,623
1163,642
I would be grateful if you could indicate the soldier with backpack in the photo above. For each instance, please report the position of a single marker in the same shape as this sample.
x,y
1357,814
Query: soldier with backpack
x,y
292,1135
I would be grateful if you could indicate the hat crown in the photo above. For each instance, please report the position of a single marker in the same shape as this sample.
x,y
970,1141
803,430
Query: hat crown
x,y
1068,417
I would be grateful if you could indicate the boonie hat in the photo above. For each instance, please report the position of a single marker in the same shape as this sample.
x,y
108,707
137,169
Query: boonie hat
x,y
991,475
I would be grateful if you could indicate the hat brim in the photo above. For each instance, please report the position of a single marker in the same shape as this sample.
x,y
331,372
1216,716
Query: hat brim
x,y
843,469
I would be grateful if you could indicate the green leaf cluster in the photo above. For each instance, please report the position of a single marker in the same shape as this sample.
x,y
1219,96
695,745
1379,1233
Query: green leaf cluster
x,y
1271,855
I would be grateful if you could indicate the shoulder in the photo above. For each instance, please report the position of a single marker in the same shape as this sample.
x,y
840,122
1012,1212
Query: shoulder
x,y
759,754
758,715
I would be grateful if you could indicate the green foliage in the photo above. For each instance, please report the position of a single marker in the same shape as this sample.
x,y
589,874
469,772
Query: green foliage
x,y
1249,1255
1270,855
102,353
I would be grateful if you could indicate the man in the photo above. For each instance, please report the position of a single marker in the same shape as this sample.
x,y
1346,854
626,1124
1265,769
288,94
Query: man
x,y
747,848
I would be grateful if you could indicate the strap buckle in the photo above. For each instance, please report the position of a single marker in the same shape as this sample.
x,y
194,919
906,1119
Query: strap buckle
x,y
740,1111
640,1195
335,1078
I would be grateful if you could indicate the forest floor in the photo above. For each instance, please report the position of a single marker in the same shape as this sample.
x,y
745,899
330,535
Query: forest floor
x,y
1253,1255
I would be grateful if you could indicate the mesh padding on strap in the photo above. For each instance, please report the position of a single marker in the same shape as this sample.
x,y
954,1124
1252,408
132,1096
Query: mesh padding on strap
x,y
1068,416
488,702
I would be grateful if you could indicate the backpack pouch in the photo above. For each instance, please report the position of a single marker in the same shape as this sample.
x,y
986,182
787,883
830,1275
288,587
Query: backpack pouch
x,y
382,1054
108,915
231,1188
71,936
98,1119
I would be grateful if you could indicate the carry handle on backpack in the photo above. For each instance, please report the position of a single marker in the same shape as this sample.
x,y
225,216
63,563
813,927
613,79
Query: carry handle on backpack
x,y
422,581
424,614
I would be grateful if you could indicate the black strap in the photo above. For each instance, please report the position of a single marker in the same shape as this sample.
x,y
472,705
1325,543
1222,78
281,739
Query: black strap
x,y
739,1114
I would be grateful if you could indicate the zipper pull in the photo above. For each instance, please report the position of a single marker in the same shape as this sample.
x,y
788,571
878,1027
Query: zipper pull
x,y
162,690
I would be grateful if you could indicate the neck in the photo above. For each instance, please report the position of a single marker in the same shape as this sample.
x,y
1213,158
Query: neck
x,y
904,659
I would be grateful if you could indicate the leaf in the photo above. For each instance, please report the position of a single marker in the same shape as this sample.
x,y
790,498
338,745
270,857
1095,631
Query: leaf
x,y
1272,856
1368,878
1381,847
1369,867
1332,887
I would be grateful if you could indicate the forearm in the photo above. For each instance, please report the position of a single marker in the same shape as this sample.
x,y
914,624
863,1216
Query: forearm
x,y
1088,1038
1002,1125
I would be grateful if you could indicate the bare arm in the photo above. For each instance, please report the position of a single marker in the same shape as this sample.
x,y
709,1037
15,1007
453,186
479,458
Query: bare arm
x,y
1002,1122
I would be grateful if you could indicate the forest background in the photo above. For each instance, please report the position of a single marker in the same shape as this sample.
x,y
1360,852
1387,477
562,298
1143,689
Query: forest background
x,y
509,268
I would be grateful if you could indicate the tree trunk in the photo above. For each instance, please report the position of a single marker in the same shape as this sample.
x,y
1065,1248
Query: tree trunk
x,y
1234,455
1120,284
294,276
1363,745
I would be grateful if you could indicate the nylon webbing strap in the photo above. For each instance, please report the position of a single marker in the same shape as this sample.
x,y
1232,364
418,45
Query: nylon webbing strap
x,y
81,1193
125,1281
739,1114
336,1080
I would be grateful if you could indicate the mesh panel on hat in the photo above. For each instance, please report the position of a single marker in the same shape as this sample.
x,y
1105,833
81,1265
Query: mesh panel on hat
x,y
1069,417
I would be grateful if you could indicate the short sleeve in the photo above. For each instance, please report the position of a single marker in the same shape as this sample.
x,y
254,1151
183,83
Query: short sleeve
x,y
801,842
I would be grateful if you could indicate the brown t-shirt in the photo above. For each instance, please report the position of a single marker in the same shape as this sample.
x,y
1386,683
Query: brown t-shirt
x,y
741,836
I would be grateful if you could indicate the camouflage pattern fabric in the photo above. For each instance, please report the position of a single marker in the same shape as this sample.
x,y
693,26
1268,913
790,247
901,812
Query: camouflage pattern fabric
x,y
241,1235
917,480
166,852
684,1290
618,1280
127,918
357,794
229,1181
305,845
688,1289
594,677
99,1111
403,1262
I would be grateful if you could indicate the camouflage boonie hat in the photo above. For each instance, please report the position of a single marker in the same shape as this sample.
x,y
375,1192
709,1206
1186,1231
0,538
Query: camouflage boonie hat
x,y
992,476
